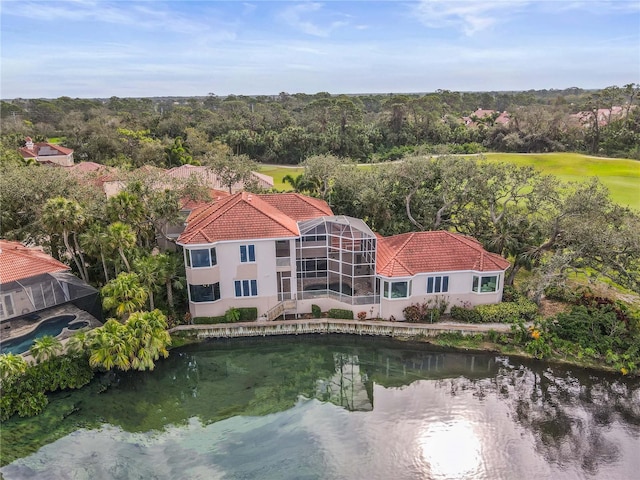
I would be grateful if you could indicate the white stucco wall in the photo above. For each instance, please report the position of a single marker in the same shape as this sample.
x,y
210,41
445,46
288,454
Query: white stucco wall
x,y
459,293
229,268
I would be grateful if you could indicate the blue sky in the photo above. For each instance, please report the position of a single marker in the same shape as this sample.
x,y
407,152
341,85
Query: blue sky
x,y
91,48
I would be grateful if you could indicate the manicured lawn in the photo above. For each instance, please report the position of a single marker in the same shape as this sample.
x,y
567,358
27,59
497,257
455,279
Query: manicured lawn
x,y
622,176
279,171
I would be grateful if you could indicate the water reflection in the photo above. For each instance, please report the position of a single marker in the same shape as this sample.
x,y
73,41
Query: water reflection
x,y
337,408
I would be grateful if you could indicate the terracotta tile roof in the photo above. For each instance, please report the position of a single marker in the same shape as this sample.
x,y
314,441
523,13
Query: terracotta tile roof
x,y
87,167
207,176
214,196
298,207
408,254
33,153
18,262
240,216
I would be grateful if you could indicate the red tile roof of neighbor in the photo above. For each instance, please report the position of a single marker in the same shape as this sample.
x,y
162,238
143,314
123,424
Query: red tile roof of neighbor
x,y
191,204
250,216
18,262
437,251
27,153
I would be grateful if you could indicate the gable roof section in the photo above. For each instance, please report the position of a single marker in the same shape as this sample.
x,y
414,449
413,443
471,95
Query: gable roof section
x,y
408,254
238,217
27,153
18,262
298,207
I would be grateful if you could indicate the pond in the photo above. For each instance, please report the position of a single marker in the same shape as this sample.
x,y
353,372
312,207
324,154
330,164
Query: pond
x,y
334,408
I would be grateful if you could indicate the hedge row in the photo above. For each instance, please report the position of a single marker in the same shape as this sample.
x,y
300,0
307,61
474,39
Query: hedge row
x,y
505,312
247,314
340,313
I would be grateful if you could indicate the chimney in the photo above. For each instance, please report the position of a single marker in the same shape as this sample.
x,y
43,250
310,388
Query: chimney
x,y
29,143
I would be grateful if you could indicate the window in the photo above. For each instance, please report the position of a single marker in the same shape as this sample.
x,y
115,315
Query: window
x,y
247,253
204,293
438,284
246,288
205,257
485,284
396,289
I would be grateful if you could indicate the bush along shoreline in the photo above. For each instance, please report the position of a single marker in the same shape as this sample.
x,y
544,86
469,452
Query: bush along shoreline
x,y
596,332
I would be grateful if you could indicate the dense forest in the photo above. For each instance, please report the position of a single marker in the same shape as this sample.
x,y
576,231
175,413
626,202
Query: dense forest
x,y
287,128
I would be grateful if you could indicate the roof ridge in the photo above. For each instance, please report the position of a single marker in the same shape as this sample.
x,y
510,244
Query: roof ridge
x,y
397,252
269,213
202,220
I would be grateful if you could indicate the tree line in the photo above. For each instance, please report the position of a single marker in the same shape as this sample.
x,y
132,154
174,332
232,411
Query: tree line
x,y
287,128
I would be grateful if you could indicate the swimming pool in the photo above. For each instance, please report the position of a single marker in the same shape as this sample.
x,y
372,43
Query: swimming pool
x,y
52,326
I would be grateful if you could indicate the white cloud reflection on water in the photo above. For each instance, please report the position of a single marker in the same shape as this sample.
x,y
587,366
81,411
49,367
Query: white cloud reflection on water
x,y
426,430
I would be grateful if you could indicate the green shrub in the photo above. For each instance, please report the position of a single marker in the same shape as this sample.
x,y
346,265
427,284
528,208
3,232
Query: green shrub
x,y
341,313
508,312
248,314
316,311
209,320
232,315
466,315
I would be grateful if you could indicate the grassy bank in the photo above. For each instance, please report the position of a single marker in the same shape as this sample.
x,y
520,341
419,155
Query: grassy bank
x,y
621,176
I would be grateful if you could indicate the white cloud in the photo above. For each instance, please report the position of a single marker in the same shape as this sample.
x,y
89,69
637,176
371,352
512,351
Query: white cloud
x,y
470,16
296,16
147,15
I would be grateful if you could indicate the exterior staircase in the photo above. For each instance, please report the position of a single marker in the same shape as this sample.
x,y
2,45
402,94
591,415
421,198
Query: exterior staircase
x,y
280,308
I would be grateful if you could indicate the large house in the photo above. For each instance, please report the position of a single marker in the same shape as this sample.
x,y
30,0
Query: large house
x,y
286,252
47,153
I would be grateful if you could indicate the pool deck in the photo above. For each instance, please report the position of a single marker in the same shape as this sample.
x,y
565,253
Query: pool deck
x,y
330,325
14,328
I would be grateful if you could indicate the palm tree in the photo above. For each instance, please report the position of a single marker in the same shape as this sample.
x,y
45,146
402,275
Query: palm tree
x,y
124,294
110,347
79,342
95,241
10,365
149,272
121,238
170,268
149,338
45,347
64,217
300,183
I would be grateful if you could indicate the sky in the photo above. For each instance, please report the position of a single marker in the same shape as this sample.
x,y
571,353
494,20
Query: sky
x,y
98,49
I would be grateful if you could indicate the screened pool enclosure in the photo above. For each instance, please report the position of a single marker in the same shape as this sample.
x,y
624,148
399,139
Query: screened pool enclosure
x,y
336,257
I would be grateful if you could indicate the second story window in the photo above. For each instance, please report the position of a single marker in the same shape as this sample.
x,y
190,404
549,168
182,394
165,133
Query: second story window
x,y
205,257
247,253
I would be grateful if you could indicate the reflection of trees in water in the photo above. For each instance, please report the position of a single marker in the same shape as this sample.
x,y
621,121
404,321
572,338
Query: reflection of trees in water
x,y
566,414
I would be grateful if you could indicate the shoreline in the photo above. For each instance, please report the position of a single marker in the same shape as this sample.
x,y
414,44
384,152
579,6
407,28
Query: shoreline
x,y
396,331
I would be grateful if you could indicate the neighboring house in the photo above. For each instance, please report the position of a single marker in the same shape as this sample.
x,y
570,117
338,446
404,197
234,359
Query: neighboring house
x,y
288,251
44,152
204,174
211,180
32,281
604,115
477,117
